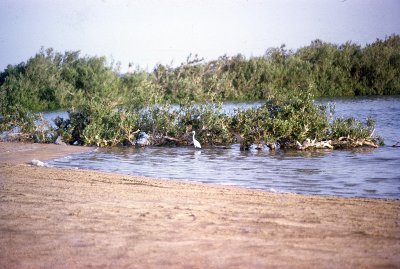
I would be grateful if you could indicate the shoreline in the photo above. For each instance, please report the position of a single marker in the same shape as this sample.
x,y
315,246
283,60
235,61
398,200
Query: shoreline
x,y
66,218
23,152
26,152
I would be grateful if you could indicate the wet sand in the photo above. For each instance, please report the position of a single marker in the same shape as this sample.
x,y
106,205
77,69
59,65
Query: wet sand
x,y
64,218
17,153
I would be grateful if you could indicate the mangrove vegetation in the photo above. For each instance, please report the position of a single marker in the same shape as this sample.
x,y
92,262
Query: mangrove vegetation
x,y
164,106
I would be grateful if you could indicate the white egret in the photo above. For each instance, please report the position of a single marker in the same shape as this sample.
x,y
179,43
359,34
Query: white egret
x,y
195,142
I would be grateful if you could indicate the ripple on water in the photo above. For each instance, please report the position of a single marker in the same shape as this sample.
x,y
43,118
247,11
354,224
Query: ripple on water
x,y
308,171
371,173
375,179
327,174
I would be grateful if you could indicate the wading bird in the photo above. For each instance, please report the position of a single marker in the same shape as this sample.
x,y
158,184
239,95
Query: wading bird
x,y
195,142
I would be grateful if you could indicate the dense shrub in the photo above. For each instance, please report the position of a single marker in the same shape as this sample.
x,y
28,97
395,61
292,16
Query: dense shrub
x,y
282,120
108,109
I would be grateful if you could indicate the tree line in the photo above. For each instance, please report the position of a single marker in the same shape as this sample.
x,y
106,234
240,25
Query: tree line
x,y
107,108
52,80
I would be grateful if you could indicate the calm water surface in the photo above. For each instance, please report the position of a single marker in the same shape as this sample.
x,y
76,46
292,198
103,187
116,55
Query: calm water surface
x,y
373,173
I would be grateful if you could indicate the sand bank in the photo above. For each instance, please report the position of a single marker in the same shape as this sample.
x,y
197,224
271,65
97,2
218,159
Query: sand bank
x,y
17,153
60,218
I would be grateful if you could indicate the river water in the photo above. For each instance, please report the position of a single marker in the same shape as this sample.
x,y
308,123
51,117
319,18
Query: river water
x,y
373,173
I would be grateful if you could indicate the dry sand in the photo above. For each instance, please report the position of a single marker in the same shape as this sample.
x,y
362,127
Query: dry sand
x,y
60,218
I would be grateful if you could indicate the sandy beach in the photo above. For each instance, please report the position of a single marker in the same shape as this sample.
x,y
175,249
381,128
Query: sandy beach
x,y
65,218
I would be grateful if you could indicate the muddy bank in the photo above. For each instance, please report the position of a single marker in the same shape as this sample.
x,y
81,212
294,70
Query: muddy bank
x,y
58,218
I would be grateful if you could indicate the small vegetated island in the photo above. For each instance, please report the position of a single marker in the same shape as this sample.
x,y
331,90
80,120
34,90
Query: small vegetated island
x,y
164,106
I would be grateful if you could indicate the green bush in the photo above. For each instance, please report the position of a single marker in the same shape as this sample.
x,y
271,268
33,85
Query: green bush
x,y
108,109
282,120
212,126
352,128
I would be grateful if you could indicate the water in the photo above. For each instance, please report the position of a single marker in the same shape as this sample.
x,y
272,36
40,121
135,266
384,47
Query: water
x,y
51,116
373,173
